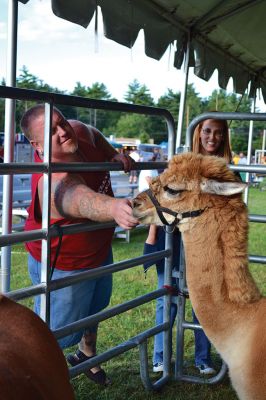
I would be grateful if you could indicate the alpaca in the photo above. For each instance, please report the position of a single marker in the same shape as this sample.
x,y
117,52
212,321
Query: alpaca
x,y
223,293
32,365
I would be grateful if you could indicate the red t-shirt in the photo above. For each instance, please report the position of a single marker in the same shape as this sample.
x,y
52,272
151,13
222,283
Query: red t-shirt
x,y
80,250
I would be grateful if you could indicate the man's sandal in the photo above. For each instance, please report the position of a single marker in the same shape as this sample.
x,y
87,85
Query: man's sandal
x,y
98,377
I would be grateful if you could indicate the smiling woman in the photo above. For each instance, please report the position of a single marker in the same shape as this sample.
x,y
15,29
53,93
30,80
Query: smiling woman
x,y
211,137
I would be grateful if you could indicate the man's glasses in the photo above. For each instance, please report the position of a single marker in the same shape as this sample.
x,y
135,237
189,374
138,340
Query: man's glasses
x,y
218,133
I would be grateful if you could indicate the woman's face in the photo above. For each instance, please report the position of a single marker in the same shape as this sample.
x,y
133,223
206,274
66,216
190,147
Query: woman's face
x,y
211,136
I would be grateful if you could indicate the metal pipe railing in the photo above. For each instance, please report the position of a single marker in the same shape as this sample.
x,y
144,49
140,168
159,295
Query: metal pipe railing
x,y
51,99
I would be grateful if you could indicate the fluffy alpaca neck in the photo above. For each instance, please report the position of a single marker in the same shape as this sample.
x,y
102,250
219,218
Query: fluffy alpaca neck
x,y
217,265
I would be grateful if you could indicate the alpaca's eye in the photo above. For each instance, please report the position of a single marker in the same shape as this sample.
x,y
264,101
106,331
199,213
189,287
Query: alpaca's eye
x,y
172,191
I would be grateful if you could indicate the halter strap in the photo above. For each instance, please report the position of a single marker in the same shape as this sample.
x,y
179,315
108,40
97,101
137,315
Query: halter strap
x,y
178,216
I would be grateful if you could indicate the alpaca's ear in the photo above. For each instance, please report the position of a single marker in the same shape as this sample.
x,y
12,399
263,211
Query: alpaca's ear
x,y
222,188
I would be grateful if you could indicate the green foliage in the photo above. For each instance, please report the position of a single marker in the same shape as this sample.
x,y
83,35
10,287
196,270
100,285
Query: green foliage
x,y
103,120
138,94
138,126
133,126
26,80
193,104
239,141
170,101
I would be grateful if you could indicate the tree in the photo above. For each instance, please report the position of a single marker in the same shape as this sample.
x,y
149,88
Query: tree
x,y
140,126
193,105
138,94
26,80
101,119
133,126
171,101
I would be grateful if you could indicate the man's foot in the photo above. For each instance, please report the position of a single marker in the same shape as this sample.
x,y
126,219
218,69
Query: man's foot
x,y
158,367
98,377
206,369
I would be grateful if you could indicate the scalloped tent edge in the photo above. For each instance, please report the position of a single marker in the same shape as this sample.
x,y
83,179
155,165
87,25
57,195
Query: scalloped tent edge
x,y
228,36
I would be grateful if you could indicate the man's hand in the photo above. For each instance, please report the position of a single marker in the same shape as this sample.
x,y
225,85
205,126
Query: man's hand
x,y
121,211
126,160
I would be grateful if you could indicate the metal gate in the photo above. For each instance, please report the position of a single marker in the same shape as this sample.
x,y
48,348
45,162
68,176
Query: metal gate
x,y
47,232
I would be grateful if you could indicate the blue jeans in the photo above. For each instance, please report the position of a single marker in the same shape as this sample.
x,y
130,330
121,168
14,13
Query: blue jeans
x,y
202,345
74,302
158,340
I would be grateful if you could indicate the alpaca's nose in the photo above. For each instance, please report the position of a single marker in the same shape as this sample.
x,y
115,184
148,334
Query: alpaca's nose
x,y
136,202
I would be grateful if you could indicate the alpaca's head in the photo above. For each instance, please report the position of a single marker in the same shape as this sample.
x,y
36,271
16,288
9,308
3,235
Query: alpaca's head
x,y
190,183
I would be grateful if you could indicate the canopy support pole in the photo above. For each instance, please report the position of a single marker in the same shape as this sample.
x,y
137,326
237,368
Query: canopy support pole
x,y
183,95
250,137
9,138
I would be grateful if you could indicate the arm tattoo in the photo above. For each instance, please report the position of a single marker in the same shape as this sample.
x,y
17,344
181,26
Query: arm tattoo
x,y
96,207
62,190
72,198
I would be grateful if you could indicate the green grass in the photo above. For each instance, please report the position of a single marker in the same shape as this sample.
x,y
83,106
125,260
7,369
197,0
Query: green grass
x,y
124,370
257,235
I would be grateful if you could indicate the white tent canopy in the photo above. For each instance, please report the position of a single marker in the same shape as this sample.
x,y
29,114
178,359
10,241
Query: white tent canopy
x,y
229,36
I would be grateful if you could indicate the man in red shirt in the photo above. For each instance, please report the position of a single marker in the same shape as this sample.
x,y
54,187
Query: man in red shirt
x,y
75,197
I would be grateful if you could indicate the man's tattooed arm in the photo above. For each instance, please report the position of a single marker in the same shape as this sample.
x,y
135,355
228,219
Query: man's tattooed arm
x,y
72,198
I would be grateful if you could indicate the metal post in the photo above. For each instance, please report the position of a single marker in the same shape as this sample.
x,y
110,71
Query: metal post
x,y
45,270
180,316
167,335
183,96
250,137
263,143
9,141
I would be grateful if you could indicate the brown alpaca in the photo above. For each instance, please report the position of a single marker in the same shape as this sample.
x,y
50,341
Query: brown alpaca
x,y
223,293
32,365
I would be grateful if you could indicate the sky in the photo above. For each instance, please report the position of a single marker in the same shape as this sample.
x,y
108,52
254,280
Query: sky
x,y
62,53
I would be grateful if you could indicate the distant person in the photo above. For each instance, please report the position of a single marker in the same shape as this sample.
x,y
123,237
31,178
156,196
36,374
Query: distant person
x,y
243,161
144,178
76,197
133,174
146,174
158,156
1,151
236,158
